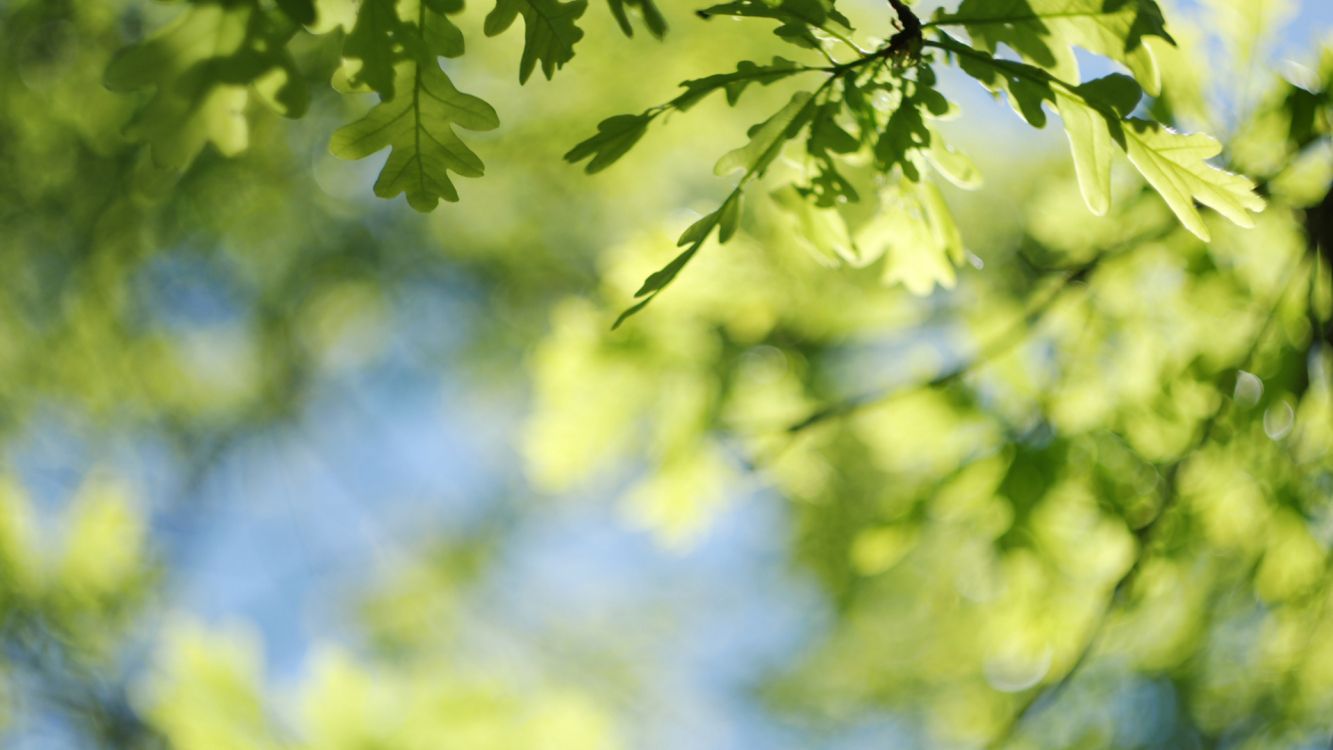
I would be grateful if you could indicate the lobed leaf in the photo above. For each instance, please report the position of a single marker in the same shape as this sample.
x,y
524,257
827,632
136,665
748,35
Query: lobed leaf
x,y
1091,115
1176,165
373,41
550,31
1096,116
822,230
916,234
1045,32
724,219
418,125
439,35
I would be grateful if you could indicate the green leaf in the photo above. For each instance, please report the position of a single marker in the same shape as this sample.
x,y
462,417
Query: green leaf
x,y
331,15
417,125
692,239
1095,117
822,231
615,137
1045,32
1176,165
952,164
549,27
300,11
735,83
1028,88
282,88
203,68
906,141
1091,115
916,232
766,139
1091,145
373,42
439,34
797,19
176,48
729,217
901,142
652,17
827,136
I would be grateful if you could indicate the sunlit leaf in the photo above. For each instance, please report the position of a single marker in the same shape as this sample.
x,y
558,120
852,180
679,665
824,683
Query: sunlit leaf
x,y
1177,166
1045,32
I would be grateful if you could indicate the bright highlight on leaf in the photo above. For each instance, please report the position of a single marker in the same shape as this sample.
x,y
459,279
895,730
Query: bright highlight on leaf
x,y
1096,116
1095,133
1176,166
201,91
1045,32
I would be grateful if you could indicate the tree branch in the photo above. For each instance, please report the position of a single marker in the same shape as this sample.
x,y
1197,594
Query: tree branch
x,y
1002,344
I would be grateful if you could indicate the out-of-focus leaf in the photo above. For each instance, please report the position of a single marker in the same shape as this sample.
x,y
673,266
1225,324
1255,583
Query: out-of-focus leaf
x,y
916,233
647,9
201,90
300,11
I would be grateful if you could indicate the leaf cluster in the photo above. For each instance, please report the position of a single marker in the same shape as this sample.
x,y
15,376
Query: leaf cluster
x,y
858,126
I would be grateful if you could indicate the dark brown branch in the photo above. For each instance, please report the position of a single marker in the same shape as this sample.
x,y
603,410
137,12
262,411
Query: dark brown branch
x,y
907,42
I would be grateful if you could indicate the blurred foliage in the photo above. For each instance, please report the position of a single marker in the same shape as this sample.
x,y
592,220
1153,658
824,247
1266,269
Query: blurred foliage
x,y
1073,492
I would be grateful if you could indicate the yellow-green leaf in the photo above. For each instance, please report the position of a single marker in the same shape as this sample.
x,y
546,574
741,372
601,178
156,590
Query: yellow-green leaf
x,y
1176,165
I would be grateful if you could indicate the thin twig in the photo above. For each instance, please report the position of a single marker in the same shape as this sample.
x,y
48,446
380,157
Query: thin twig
x,y
1000,345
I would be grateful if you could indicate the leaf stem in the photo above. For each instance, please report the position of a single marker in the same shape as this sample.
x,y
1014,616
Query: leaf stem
x,y
1036,75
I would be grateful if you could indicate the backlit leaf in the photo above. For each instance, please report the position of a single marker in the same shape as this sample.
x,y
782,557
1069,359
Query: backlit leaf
x,y
1045,32
418,125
